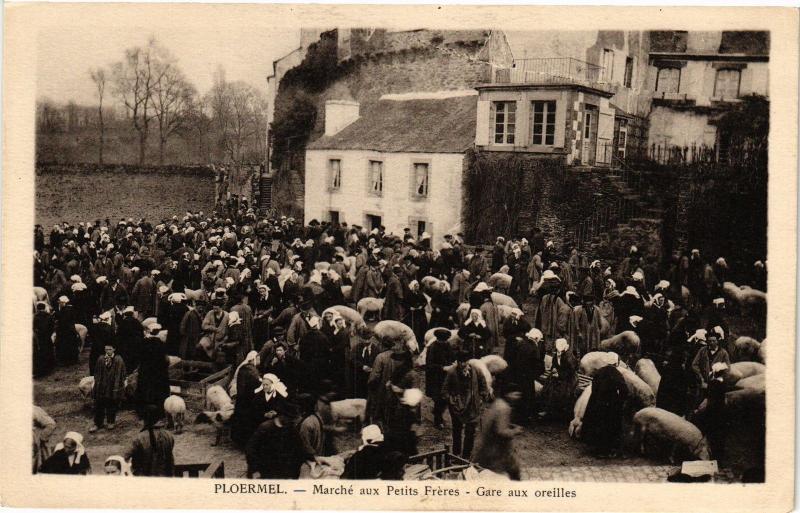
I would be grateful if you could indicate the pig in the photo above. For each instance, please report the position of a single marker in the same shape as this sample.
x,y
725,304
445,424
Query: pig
x,y
502,299
504,312
86,386
322,266
756,382
745,349
370,305
175,408
429,284
150,320
480,365
394,330
219,413
595,360
81,330
494,363
646,369
579,411
499,281
663,425
195,295
744,297
348,314
351,410
745,399
741,370
625,343
640,393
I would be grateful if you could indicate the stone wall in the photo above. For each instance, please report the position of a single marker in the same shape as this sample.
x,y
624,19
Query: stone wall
x,y
81,193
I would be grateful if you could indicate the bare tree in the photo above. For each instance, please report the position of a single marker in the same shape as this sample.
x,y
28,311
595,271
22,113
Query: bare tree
x,y
99,77
172,98
135,78
244,123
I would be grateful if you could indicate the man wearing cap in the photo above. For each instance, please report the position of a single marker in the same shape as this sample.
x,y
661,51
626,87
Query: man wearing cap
x,y
130,335
708,355
109,386
498,254
466,392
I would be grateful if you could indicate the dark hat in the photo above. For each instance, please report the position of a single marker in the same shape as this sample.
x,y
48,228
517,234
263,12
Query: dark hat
x,y
442,334
278,331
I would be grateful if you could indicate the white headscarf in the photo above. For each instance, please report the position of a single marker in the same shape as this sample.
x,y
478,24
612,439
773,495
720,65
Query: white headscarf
x,y
371,435
250,358
479,322
79,449
277,387
125,467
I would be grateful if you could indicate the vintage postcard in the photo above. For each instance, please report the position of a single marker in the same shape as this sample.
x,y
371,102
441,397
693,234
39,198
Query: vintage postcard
x,y
399,257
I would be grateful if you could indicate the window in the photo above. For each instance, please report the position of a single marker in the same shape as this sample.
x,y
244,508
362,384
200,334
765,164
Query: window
x,y
544,123
608,65
333,216
421,179
628,71
505,120
668,80
727,83
335,169
376,176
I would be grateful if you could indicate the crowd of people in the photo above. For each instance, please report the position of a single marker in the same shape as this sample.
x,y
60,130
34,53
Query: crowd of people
x,y
265,297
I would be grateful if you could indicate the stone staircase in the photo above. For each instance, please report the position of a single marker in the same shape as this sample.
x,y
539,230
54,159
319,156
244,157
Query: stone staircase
x,y
629,212
265,194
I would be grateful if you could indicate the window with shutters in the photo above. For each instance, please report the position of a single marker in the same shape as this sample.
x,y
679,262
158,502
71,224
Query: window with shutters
x,y
421,178
376,177
668,80
505,121
727,83
543,125
335,174
628,80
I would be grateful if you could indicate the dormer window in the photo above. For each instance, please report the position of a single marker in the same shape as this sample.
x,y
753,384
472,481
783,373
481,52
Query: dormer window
x,y
727,83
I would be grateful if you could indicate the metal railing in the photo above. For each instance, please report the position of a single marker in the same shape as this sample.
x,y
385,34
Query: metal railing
x,y
555,70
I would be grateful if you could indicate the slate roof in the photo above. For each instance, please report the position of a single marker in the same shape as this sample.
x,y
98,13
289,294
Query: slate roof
x,y
445,125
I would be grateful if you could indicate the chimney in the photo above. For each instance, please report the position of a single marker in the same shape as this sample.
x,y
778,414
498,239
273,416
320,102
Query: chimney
x,y
339,114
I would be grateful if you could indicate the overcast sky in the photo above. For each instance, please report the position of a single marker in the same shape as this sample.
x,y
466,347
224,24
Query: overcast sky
x,y
65,55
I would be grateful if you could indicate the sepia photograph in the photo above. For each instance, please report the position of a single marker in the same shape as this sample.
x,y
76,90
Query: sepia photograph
x,y
342,252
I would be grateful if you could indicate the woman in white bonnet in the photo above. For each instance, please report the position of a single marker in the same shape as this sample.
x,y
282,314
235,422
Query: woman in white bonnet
x,y
69,457
557,392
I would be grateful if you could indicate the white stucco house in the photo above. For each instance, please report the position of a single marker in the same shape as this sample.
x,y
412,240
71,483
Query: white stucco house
x,y
398,164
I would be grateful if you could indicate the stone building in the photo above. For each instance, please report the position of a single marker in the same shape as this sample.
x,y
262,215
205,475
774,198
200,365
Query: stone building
x,y
398,164
696,77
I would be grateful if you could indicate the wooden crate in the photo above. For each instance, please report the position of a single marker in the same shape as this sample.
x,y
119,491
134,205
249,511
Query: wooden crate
x,y
443,464
214,469
194,378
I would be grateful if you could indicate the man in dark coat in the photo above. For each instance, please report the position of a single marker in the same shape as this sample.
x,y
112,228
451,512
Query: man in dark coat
x,y
314,350
43,354
150,452
109,386
153,382
67,341
602,423
393,301
439,355
525,364
466,392
130,335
